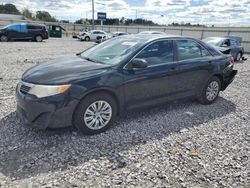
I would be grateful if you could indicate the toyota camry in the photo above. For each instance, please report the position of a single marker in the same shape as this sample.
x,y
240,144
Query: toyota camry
x,y
90,89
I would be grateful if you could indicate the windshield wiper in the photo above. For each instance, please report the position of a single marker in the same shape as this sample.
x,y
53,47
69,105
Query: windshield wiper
x,y
92,60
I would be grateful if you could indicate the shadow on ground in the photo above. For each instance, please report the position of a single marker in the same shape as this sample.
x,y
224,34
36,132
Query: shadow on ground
x,y
25,152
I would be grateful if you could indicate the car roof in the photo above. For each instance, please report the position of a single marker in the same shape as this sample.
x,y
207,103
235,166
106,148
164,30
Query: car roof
x,y
152,37
96,30
217,38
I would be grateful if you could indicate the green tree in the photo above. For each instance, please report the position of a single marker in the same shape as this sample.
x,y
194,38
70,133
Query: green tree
x,y
27,13
45,16
9,9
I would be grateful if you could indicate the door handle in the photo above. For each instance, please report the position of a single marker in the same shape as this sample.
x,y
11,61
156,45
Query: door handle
x,y
173,68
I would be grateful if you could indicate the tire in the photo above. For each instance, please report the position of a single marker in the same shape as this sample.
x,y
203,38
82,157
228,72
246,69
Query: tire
x,y
210,91
38,38
88,120
87,39
238,56
4,38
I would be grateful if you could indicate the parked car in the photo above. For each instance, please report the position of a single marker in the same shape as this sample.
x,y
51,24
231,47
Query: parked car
x,y
151,32
118,33
228,45
92,35
23,31
90,89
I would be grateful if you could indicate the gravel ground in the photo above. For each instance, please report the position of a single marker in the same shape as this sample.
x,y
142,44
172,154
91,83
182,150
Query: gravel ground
x,y
180,144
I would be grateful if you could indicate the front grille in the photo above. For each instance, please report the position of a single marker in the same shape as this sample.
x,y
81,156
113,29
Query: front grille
x,y
24,89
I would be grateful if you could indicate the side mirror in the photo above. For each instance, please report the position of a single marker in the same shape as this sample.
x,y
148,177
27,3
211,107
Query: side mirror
x,y
138,63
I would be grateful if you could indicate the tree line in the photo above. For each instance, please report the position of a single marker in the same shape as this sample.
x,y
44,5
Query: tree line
x,y
39,15
117,21
45,16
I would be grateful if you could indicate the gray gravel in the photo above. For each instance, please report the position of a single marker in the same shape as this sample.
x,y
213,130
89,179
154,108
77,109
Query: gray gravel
x,y
180,144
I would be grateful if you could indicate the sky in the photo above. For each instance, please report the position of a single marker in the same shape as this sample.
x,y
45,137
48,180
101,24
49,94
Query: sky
x,y
209,12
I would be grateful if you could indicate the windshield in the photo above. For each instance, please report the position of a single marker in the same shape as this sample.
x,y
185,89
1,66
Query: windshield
x,y
212,41
113,51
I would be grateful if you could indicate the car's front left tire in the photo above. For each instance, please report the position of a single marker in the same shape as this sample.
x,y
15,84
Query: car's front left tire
x,y
95,113
87,38
210,91
4,38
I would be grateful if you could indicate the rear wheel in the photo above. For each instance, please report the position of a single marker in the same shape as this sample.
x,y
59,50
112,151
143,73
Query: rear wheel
x,y
38,38
210,91
238,56
95,113
4,38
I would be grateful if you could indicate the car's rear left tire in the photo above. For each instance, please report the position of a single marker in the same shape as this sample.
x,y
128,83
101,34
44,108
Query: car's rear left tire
x,y
210,91
95,113
4,38
38,38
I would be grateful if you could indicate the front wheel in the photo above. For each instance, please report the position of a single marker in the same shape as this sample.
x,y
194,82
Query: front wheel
x,y
87,38
4,38
211,91
95,113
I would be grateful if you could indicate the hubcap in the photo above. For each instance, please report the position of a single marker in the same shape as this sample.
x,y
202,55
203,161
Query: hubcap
x,y
212,90
97,115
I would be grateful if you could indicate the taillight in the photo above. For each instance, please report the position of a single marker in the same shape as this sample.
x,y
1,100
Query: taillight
x,y
231,60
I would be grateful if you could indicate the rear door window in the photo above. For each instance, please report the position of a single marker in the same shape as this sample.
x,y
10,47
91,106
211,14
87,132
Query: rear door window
x,y
188,49
34,27
233,42
23,28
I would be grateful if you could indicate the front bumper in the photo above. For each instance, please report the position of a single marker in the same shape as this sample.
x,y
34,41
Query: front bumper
x,y
50,112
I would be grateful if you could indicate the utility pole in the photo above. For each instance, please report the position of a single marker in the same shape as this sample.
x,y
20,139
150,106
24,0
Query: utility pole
x,y
93,15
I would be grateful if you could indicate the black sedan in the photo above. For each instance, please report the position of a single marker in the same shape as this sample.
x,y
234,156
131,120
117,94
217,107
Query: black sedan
x,y
90,89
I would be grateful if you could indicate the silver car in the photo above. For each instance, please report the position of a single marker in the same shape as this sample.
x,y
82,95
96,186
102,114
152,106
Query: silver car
x,y
228,45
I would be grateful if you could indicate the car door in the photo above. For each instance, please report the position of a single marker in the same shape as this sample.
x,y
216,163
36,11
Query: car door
x,y
23,32
93,35
14,31
195,66
156,82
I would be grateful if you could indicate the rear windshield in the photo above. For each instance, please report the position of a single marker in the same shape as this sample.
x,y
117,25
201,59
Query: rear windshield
x,y
212,41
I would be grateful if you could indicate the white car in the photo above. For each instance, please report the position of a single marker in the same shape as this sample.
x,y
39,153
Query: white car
x,y
151,32
93,35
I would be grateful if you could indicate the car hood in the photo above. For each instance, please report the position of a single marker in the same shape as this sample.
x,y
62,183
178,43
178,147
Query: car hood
x,y
63,70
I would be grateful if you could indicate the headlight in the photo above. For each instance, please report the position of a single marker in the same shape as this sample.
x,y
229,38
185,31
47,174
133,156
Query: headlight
x,y
48,90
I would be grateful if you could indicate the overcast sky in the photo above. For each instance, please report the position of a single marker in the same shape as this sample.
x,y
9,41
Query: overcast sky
x,y
218,12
